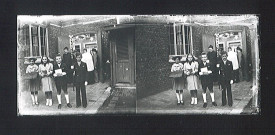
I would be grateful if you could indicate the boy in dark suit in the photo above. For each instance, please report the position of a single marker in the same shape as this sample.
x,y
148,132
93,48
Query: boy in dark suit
x,y
225,71
80,80
206,76
59,72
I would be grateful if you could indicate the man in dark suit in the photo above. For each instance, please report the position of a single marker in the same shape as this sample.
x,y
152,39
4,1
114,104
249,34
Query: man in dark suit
x,y
206,76
59,72
212,57
96,64
80,80
225,71
67,59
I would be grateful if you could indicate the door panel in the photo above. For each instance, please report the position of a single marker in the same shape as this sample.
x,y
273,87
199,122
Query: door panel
x,y
63,41
208,40
122,58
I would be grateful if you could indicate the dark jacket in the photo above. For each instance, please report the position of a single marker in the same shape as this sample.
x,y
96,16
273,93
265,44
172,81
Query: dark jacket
x,y
225,71
206,78
67,59
212,57
95,60
81,72
64,68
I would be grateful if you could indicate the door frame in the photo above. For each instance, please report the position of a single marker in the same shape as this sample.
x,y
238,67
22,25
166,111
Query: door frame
x,y
113,52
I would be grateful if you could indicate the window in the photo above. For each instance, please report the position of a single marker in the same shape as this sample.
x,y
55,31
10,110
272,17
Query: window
x,y
77,48
25,40
180,39
43,41
36,38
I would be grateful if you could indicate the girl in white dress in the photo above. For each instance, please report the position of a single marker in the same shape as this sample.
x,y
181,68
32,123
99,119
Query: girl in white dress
x,y
191,70
45,71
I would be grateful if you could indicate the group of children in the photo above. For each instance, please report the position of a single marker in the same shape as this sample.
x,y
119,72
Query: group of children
x,y
57,73
203,72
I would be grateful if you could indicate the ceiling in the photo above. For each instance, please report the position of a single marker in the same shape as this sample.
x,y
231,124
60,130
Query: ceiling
x,y
205,20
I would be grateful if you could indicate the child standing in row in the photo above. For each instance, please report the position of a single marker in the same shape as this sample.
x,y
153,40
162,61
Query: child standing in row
x,y
178,82
191,70
34,83
60,71
45,71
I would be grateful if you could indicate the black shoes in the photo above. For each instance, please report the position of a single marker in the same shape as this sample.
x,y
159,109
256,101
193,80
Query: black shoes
x,y
214,103
59,106
69,105
204,105
84,106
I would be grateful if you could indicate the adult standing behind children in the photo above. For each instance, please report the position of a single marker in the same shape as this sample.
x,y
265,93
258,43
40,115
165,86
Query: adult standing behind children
x,y
95,61
88,59
241,63
232,56
212,57
190,68
59,72
34,83
67,59
45,71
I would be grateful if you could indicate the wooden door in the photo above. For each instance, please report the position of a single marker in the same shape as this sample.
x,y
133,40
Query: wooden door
x,y
63,41
123,56
208,40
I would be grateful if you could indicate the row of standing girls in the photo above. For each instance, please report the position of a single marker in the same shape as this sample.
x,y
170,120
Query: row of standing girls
x,y
44,70
190,69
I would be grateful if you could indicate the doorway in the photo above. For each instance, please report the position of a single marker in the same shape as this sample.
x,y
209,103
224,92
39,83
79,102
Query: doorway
x,y
123,56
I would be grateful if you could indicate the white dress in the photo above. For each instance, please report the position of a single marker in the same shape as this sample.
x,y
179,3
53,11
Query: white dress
x,y
192,80
47,81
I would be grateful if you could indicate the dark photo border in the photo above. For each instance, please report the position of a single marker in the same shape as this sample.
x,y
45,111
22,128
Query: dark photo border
x,y
10,123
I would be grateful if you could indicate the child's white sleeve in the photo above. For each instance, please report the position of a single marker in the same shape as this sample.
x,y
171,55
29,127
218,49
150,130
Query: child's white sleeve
x,y
172,68
28,69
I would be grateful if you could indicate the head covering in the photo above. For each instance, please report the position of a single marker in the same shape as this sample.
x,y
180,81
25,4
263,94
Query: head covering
x,y
175,57
32,58
210,46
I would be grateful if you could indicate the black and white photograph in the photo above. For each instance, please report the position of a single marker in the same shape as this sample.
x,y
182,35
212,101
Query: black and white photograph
x,y
138,64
